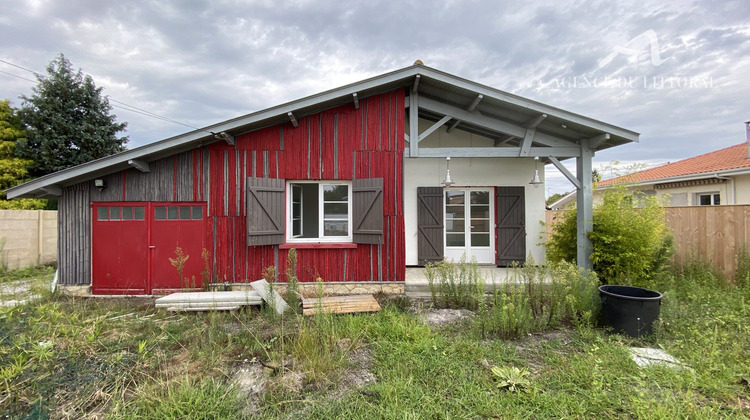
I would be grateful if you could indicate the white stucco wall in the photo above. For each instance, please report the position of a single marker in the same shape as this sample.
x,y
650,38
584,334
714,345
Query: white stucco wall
x,y
742,189
474,172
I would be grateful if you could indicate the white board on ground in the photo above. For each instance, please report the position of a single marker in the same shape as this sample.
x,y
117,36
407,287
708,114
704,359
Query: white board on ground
x,y
263,289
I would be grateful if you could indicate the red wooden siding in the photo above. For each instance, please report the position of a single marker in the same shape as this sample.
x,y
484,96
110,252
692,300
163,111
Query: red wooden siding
x,y
339,143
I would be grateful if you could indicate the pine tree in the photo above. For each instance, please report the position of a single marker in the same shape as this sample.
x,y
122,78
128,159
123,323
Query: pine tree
x,y
67,121
13,170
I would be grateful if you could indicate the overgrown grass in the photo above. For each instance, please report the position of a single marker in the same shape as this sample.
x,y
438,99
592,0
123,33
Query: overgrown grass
x,y
28,273
67,357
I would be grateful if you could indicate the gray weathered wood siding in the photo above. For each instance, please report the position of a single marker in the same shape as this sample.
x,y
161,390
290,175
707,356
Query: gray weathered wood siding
x,y
74,235
74,227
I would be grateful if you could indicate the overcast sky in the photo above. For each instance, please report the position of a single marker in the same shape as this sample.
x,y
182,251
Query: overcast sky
x,y
678,72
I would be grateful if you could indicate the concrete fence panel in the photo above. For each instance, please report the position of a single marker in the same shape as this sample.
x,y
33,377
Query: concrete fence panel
x,y
28,237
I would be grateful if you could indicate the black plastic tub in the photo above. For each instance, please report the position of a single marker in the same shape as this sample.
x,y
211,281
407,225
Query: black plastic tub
x,y
629,310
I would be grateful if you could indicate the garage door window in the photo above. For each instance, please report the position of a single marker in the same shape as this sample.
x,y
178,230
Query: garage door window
x,y
120,213
178,213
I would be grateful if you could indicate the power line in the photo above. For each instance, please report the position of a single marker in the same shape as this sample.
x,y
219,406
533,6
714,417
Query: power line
x,y
15,75
147,113
126,106
22,68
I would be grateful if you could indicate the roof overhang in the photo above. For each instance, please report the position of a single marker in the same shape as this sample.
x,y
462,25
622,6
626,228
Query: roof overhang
x,y
496,115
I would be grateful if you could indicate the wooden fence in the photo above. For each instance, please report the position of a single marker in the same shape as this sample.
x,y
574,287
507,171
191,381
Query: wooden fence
x,y
711,233
28,237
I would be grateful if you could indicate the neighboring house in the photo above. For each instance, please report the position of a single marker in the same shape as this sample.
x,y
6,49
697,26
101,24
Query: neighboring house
x,y
352,178
712,179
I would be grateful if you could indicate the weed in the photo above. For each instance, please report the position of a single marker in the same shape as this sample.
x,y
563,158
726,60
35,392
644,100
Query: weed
x,y
455,285
28,273
292,285
204,398
206,272
742,273
511,378
178,262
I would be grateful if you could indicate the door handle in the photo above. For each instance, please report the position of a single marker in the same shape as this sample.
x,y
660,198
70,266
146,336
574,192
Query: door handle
x,y
152,247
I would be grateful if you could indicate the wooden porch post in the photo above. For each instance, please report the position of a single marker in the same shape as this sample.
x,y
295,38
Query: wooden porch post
x,y
585,205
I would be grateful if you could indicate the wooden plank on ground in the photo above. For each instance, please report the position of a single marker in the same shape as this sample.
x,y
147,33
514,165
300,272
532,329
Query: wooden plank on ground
x,y
340,304
263,289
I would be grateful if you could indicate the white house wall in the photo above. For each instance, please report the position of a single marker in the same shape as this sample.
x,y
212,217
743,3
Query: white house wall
x,y
474,172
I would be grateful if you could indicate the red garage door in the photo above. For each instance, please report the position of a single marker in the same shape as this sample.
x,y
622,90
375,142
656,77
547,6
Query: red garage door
x,y
132,244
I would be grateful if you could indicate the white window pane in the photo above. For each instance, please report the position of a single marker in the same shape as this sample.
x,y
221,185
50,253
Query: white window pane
x,y
454,239
456,225
480,197
454,197
335,193
335,210
336,228
480,225
452,212
480,212
480,239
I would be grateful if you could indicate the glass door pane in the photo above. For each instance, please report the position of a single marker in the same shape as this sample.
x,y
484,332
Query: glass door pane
x,y
455,215
480,218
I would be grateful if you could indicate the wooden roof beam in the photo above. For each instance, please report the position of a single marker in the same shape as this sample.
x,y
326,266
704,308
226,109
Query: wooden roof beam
x,y
502,140
140,165
494,124
415,86
472,106
595,142
572,178
532,123
356,100
434,127
292,119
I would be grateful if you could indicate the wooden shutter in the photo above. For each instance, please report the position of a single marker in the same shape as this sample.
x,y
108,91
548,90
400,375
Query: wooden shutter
x,y
265,211
511,226
430,224
367,204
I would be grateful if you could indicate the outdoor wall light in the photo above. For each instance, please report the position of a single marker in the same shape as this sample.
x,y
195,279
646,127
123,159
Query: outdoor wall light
x,y
535,180
448,181
100,183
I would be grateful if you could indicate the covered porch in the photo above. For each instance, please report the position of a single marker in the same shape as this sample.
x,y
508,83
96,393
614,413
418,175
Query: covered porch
x,y
452,118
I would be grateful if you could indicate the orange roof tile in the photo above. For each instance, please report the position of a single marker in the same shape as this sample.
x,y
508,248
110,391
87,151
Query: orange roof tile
x,y
732,157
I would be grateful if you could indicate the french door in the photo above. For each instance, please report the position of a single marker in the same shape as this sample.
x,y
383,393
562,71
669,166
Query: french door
x,y
469,225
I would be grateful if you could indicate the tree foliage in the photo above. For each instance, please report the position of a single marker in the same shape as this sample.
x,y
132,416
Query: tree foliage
x,y
67,120
13,170
554,197
630,239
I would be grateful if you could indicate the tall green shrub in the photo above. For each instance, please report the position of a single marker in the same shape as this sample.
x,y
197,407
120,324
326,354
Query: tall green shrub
x,y
630,239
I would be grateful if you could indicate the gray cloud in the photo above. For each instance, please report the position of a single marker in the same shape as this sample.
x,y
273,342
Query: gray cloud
x,y
202,62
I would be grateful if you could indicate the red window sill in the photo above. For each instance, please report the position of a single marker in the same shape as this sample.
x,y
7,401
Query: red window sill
x,y
319,245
